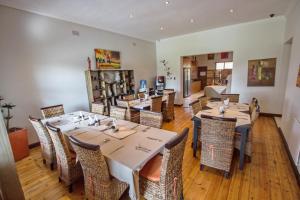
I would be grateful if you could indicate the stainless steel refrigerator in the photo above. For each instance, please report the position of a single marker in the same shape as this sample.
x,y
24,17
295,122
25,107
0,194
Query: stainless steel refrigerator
x,y
186,82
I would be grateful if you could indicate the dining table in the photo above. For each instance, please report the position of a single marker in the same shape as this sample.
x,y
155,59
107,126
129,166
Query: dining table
x,y
126,148
144,104
232,110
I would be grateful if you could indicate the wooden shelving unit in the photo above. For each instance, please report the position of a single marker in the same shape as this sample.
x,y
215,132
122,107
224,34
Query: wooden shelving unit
x,y
210,77
108,85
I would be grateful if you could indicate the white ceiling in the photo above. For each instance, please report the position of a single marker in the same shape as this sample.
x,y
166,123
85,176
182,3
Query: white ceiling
x,y
150,15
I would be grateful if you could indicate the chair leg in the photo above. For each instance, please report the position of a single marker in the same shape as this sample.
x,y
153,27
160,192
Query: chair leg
x,y
52,166
201,167
181,196
248,158
44,161
227,175
192,144
59,179
71,188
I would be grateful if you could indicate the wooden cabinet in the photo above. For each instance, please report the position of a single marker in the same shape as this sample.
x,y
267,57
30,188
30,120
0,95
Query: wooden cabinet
x,y
195,87
108,85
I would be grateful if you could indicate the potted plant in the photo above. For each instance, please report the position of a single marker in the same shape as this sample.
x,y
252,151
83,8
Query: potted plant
x,y
17,136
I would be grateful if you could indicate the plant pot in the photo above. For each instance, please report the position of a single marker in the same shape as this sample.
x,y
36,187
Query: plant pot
x,y
19,142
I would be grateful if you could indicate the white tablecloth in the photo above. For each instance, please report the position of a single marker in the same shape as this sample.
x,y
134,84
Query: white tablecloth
x,y
138,104
123,157
214,91
234,110
241,107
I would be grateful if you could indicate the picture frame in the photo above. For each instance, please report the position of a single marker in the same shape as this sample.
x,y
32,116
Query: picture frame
x,y
211,56
261,72
107,59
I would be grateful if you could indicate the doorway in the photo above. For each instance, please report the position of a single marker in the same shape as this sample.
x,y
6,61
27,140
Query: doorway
x,y
204,70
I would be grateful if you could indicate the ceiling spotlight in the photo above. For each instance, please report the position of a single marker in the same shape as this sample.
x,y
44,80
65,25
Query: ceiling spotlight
x,y
167,2
130,15
161,28
231,10
192,20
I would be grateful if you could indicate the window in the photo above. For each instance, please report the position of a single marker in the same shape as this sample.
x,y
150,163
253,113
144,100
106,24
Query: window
x,y
224,65
228,65
219,66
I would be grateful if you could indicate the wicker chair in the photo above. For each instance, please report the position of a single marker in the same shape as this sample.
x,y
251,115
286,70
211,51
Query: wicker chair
x,y
255,113
168,91
47,147
129,97
203,101
217,138
118,112
52,111
68,169
153,119
161,177
98,184
168,107
98,108
131,114
253,104
156,103
232,97
237,143
196,106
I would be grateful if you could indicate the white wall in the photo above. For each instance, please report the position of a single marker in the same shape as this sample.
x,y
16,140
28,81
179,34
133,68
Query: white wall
x,y
42,63
254,40
291,110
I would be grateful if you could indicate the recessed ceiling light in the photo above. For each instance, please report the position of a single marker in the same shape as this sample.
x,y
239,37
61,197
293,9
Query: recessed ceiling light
x,y
130,15
162,28
231,10
167,2
192,20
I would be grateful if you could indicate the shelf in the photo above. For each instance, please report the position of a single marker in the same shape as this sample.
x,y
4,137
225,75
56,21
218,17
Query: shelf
x,y
106,86
99,89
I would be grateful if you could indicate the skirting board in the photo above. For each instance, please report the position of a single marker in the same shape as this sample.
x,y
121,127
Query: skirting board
x,y
296,172
34,145
270,114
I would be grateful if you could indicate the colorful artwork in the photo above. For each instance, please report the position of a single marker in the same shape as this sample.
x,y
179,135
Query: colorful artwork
x,y
107,59
261,72
298,78
224,55
210,56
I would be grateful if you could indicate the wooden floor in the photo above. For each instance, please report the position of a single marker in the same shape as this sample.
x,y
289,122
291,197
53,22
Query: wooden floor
x,y
268,176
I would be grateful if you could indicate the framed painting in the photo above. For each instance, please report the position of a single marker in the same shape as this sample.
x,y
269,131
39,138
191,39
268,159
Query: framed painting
x,y
210,56
298,78
107,59
224,55
261,72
